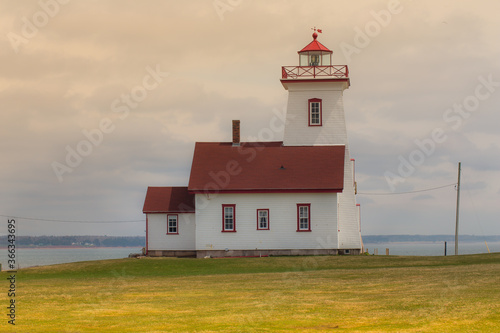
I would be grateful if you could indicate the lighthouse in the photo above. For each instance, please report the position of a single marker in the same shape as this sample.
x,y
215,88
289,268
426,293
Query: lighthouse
x,y
315,117
290,197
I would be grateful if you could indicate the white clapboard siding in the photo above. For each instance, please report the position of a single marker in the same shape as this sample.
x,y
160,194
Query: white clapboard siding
x,y
157,232
282,218
297,129
349,233
332,132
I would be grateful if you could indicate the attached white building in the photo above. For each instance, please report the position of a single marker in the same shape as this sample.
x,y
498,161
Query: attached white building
x,y
295,197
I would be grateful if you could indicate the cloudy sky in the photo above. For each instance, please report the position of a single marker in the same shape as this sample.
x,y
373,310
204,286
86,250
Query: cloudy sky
x,y
101,99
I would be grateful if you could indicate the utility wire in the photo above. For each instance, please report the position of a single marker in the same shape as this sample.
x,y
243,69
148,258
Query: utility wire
x,y
66,221
136,221
417,191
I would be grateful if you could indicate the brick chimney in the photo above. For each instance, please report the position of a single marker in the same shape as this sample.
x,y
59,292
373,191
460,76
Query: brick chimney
x,y
236,132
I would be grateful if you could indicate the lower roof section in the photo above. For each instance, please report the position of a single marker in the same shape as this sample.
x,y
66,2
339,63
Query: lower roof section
x,y
266,167
168,200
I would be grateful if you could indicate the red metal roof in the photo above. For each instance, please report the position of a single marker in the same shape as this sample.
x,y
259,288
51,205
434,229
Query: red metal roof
x,y
315,46
266,167
168,200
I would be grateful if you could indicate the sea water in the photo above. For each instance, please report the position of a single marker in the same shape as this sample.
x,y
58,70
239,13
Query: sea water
x,y
28,257
431,248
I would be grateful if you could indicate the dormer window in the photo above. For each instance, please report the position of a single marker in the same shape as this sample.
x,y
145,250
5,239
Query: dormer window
x,y
315,112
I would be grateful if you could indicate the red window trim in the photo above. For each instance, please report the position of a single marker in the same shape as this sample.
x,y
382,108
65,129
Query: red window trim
x,y
315,100
308,205
177,226
258,222
234,218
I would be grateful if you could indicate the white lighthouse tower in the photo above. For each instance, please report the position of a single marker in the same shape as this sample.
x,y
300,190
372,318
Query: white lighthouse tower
x,y
315,117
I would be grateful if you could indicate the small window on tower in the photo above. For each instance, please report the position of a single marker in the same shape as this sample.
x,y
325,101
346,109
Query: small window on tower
x,y
315,112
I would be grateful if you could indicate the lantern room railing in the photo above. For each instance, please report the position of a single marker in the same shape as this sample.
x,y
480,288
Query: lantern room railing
x,y
297,72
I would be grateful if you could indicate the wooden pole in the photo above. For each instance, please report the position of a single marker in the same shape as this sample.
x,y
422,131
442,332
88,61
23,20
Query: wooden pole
x,y
484,243
458,205
445,248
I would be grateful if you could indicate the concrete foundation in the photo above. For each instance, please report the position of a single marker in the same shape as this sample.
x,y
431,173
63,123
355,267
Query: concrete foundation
x,y
167,253
258,253
251,253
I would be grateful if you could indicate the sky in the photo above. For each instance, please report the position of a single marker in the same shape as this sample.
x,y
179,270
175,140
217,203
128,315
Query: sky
x,y
101,99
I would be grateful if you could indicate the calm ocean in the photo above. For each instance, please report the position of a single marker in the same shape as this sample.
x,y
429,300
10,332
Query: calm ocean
x,y
50,256
431,248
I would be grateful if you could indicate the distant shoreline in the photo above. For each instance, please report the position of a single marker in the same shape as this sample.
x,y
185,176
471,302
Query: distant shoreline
x,y
429,239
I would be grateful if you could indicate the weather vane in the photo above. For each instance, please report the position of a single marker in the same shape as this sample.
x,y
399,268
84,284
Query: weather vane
x,y
318,30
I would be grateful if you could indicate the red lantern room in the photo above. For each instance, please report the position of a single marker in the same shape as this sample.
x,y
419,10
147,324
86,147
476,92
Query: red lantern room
x,y
315,61
315,54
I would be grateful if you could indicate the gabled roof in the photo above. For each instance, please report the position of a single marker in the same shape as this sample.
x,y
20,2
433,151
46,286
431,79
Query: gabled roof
x,y
266,167
315,46
168,200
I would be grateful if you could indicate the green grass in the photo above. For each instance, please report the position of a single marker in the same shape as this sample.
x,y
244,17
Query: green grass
x,y
278,294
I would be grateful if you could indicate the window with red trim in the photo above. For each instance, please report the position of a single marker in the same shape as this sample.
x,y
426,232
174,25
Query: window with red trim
x,y
315,112
303,217
262,219
172,224
228,218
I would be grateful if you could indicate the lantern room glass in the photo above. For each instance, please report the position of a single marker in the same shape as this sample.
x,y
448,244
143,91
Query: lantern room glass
x,y
315,58
326,59
304,59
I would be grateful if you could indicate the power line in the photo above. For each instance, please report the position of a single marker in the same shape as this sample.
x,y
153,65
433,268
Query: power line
x,y
136,221
67,221
416,191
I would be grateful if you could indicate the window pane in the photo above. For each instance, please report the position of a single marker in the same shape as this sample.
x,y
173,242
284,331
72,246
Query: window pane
x,y
314,60
172,224
315,112
263,219
303,217
228,218
303,59
325,59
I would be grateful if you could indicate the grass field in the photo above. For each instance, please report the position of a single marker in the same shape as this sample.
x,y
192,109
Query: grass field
x,y
278,294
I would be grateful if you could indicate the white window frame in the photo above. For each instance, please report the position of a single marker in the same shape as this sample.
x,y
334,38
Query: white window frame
x,y
315,108
304,217
228,220
260,217
173,229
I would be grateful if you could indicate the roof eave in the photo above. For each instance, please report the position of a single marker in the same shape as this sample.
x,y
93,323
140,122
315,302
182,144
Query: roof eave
x,y
167,212
329,190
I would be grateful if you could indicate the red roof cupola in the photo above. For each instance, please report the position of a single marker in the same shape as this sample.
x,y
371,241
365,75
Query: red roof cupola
x,y
315,61
315,54
315,45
